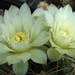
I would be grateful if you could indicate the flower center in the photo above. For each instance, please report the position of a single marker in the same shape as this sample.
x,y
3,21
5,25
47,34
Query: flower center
x,y
64,33
19,37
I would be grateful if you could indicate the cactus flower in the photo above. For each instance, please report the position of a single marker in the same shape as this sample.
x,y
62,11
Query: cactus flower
x,y
62,31
20,39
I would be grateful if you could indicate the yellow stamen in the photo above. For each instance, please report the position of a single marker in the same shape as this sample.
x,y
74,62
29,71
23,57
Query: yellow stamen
x,y
19,37
64,33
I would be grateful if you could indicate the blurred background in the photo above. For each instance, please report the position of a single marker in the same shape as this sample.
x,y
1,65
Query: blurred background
x,y
5,4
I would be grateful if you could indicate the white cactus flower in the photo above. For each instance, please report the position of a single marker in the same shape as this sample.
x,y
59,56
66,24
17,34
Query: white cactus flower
x,y
62,31
20,37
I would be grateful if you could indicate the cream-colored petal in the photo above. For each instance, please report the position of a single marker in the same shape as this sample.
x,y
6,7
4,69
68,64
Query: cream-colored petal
x,y
52,9
27,21
4,49
36,14
17,23
60,39
20,68
59,15
13,20
1,19
68,10
53,44
41,39
38,56
68,42
71,45
68,25
3,57
13,59
14,9
4,29
43,48
8,30
71,52
23,10
11,29
36,28
61,50
4,40
25,56
8,17
53,54
63,14
49,18
19,47
52,39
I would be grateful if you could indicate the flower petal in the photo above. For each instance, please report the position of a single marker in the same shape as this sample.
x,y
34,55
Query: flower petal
x,y
48,18
19,47
71,52
38,56
27,21
3,57
20,68
1,19
43,48
53,54
52,9
65,13
14,9
13,58
68,10
4,49
36,14
7,29
41,39
70,24
17,23
23,10
24,56
8,17
61,51
37,28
